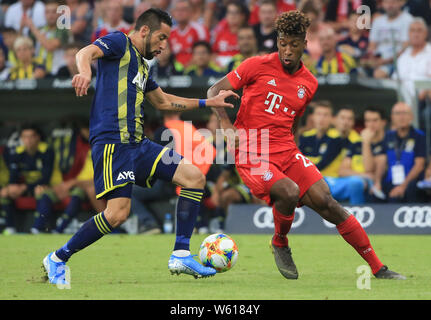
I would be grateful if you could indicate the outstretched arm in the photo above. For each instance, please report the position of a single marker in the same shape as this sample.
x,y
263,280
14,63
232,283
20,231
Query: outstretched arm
x,y
81,81
221,86
170,102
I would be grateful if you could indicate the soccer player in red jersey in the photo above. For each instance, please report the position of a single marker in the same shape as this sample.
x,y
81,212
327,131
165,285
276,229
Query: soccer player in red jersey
x,y
276,89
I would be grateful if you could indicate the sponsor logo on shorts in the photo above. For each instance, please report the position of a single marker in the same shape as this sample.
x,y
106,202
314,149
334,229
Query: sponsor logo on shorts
x,y
129,175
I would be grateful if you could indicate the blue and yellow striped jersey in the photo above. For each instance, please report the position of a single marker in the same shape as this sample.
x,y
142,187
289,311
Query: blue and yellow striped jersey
x,y
326,153
117,114
34,169
354,151
341,63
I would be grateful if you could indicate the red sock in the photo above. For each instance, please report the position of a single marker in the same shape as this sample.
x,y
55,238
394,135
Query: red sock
x,y
352,231
282,224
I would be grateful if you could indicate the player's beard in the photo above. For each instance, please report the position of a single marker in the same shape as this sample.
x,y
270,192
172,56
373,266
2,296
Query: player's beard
x,y
148,54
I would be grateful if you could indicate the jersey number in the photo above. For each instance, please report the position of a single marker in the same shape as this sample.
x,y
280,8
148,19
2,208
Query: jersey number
x,y
305,161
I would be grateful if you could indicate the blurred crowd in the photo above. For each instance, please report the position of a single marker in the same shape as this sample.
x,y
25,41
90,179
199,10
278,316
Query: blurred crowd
x,y
381,158
377,159
374,38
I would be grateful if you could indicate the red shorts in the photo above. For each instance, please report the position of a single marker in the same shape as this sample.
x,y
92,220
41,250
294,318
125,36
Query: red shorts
x,y
260,173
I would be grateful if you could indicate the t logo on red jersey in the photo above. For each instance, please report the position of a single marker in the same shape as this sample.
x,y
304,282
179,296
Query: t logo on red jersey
x,y
273,102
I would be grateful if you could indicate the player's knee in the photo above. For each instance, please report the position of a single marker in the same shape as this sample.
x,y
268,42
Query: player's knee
x,y
287,192
195,179
117,212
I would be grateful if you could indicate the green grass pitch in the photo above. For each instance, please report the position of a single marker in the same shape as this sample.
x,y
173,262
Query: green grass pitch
x,y
135,267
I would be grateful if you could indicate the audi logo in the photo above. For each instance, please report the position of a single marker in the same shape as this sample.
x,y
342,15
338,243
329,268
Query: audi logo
x,y
364,215
412,217
263,218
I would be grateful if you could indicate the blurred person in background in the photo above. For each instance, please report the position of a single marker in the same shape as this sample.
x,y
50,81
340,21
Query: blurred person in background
x,y
165,65
225,38
388,38
355,42
332,60
281,5
4,70
338,12
372,142
313,51
9,36
265,30
4,180
49,39
27,66
81,16
247,44
185,33
354,182
401,163
30,170
31,9
419,8
113,21
415,64
201,64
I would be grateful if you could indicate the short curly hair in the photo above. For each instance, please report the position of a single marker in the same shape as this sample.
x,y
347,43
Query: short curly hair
x,y
292,23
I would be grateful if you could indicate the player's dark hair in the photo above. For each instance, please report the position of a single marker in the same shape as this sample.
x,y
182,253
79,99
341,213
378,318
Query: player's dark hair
x,y
378,110
292,23
153,18
202,43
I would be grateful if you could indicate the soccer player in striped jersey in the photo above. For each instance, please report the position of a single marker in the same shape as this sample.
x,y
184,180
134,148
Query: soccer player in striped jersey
x,y
121,154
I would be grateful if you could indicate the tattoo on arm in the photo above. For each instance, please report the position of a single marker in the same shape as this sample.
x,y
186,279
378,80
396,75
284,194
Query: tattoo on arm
x,y
178,105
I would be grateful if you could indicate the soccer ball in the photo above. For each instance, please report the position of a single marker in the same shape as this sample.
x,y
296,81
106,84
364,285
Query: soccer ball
x,y
218,251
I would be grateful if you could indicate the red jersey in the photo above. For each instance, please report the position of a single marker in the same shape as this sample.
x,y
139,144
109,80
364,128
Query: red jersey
x,y
106,29
271,99
225,42
181,41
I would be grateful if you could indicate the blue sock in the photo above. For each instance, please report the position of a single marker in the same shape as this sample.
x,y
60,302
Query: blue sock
x,y
188,207
91,231
43,211
70,213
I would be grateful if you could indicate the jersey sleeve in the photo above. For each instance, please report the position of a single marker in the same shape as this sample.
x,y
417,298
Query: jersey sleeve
x,y
151,84
113,45
244,74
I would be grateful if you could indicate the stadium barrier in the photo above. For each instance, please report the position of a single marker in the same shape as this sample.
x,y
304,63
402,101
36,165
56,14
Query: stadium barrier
x,y
411,218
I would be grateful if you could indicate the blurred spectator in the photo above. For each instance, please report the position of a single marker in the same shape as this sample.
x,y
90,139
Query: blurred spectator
x,y
313,51
372,137
203,12
72,176
415,62
70,69
281,5
402,161
4,180
337,12
225,41
34,10
113,21
30,170
388,37
419,8
27,66
323,145
426,183
354,181
166,65
201,64
185,33
265,30
247,44
332,60
9,37
355,43
164,5
4,70
138,10
80,19
49,39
